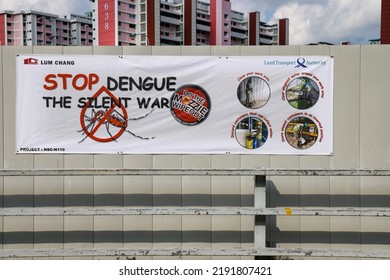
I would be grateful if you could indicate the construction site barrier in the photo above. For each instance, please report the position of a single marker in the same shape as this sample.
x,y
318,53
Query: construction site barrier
x,y
255,211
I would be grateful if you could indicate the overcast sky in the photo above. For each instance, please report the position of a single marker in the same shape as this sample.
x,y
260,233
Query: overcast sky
x,y
311,21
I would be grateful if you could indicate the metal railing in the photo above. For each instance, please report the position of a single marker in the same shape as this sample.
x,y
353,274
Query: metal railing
x,y
253,211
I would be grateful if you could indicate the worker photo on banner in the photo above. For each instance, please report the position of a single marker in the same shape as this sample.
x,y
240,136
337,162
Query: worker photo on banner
x,y
251,133
302,93
253,92
301,133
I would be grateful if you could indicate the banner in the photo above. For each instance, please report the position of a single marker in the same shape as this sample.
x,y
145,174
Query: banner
x,y
174,104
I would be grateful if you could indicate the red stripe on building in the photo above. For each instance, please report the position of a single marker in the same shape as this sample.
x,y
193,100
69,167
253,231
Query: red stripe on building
x,y
283,32
150,22
188,22
253,23
385,22
107,22
3,24
213,23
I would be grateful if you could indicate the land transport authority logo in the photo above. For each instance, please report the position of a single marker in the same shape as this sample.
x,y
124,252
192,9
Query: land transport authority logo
x,y
190,105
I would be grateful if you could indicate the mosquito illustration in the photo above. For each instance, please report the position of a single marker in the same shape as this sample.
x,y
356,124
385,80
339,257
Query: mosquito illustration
x,y
115,119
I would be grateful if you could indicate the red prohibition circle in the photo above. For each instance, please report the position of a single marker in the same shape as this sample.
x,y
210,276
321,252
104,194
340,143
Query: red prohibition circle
x,y
104,119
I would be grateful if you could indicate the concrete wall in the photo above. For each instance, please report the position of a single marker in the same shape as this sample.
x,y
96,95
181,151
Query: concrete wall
x,y
361,140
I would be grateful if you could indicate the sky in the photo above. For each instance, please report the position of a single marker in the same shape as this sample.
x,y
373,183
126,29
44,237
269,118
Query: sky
x,y
333,21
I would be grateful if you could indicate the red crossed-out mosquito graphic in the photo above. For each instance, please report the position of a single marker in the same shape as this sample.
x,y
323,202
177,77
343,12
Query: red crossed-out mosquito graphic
x,y
108,118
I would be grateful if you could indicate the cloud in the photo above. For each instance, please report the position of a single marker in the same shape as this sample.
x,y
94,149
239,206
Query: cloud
x,y
332,21
58,7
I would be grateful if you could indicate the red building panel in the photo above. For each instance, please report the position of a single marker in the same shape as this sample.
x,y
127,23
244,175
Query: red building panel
x,y
3,24
253,30
283,27
150,22
188,22
107,22
385,22
213,23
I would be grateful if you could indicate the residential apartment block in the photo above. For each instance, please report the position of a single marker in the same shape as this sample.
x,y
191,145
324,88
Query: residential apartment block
x,y
181,22
143,22
33,28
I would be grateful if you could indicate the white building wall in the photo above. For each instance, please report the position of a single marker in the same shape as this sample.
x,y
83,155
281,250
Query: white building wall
x,y
361,136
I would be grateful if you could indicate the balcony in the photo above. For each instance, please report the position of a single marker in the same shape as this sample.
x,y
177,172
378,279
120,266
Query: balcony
x,y
172,11
171,20
240,26
268,32
267,41
238,35
172,37
201,27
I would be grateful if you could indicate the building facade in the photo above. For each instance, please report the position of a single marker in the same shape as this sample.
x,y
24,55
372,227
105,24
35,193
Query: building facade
x,y
33,28
181,22
261,33
143,22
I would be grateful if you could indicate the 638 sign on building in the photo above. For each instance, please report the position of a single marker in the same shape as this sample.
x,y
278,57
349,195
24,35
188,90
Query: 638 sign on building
x,y
174,105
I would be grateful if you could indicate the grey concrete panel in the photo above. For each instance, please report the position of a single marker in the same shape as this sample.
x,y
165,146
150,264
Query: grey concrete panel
x,y
107,50
70,50
17,185
225,50
346,109
164,50
137,50
374,132
255,50
346,145
374,145
196,50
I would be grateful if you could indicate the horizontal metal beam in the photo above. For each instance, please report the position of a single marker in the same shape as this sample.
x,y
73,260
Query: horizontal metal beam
x,y
195,172
94,211
129,252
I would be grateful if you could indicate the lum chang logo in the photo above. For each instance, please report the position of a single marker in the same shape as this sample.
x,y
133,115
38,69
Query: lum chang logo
x,y
35,61
31,61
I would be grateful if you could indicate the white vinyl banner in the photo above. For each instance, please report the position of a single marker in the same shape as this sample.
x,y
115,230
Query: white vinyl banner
x,y
174,104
